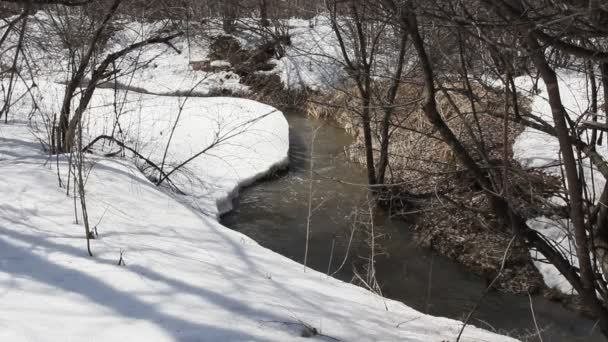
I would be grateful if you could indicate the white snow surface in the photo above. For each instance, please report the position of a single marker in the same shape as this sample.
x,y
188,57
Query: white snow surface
x,y
219,63
557,231
313,58
168,68
161,69
536,149
185,277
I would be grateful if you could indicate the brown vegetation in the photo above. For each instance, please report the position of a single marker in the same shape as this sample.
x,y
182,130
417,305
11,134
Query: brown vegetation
x,y
434,190
255,70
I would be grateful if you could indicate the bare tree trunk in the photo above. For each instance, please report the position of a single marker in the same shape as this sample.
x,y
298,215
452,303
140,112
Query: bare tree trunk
x,y
601,223
229,10
81,191
601,231
358,67
575,190
389,109
604,71
368,140
8,98
264,13
76,81
574,182
593,109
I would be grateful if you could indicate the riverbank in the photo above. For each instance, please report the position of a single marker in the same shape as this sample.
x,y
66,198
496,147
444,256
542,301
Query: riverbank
x,y
275,214
423,166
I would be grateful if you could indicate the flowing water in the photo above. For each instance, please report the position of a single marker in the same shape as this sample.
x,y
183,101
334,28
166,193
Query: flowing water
x,y
275,213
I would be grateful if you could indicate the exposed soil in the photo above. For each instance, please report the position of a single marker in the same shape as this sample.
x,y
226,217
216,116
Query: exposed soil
x,y
255,69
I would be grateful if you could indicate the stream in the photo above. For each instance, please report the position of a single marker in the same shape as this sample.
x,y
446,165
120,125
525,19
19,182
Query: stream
x,y
275,212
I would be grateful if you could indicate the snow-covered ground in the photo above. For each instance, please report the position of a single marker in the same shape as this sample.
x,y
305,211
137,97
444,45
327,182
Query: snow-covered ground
x,y
241,139
313,58
160,68
536,149
184,276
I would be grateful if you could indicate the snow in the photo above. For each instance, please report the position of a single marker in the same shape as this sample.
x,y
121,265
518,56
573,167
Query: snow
x,y
185,277
169,68
246,138
219,63
557,231
161,69
540,150
312,60
171,72
535,149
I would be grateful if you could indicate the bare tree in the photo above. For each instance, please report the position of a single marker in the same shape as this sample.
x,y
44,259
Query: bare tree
x,y
68,122
532,40
361,28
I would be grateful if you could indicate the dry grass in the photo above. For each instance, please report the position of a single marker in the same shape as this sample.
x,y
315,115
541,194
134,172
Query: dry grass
x,y
205,65
416,150
437,193
254,69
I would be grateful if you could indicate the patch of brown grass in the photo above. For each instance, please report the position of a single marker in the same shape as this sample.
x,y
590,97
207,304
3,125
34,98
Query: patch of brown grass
x,y
450,212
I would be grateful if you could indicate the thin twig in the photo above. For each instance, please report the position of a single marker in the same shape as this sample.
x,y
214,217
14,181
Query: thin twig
x,y
534,318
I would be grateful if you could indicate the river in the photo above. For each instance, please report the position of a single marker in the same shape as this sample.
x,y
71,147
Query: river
x,y
275,212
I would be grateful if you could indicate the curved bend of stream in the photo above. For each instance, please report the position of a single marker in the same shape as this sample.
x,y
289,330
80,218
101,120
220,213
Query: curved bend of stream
x,y
275,212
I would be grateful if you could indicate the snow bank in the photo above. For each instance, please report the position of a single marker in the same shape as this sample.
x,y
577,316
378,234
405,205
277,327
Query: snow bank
x,y
186,277
169,71
242,140
231,141
558,232
312,59
535,149
540,150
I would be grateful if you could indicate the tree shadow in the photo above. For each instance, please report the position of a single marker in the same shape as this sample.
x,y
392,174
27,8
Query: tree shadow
x,y
13,148
121,302
128,305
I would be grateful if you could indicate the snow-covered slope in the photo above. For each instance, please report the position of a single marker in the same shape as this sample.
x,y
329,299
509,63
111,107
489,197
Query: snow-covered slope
x,y
187,278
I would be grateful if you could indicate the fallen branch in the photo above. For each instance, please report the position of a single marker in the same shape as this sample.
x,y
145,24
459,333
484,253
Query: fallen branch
x,y
139,155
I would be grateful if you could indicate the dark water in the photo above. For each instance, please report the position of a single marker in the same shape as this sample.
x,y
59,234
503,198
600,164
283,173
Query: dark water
x,y
275,213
